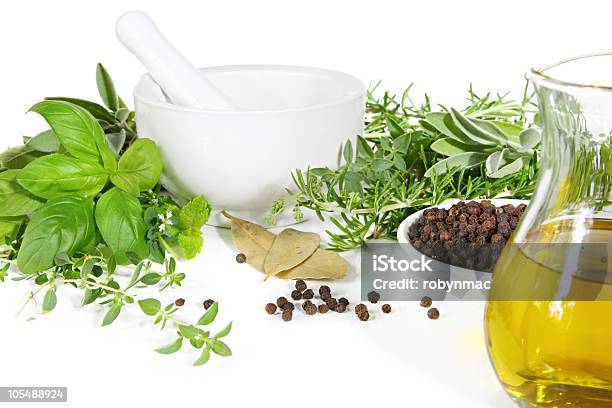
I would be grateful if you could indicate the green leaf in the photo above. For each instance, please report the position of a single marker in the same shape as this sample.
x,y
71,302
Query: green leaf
x,y
443,122
494,161
150,307
224,332
106,88
462,160
510,168
90,296
380,165
50,300
14,199
352,182
530,138
448,146
57,175
209,316
112,313
480,131
97,111
87,267
9,227
511,131
402,143
395,129
78,131
18,157
172,347
195,213
190,242
203,359
221,349
139,168
364,150
45,142
63,224
119,219
151,278
191,331
348,152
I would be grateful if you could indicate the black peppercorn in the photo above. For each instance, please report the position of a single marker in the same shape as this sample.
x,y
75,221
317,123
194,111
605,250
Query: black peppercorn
x,y
288,306
331,303
271,308
360,308
386,308
325,296
340,308
179,302
433,313
300,285
310,309
323,308
308,294
306,304
208,303
344,301
287,315
324,289
241,258
373,296
296,295
425,301
281,301
364,316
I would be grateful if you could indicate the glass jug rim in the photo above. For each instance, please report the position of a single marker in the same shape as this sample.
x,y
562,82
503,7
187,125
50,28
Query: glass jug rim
x,y
540,75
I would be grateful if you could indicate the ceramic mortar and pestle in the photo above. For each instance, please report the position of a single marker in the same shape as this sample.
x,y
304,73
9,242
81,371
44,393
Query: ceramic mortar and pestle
x,y
235,133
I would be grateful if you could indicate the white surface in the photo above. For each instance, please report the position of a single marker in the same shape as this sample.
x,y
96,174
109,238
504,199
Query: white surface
x,y
179,79
400,360
241,161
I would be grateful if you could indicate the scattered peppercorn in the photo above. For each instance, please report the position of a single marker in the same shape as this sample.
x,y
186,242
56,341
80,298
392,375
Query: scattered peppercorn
x,y
280,302
296,295
308,294
271,308
386,308
323,308
306,304
364,316
241,258
287,315
208,303
425,301
344,301
325,296
179,302
288,306
433,313
324,289
340,308
310,309
300,285
360,308
373,296
331,303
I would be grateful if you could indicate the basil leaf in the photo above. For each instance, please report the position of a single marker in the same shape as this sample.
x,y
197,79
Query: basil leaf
x,y
14,199
119,219
139,168
45,142
78,131
58,175
63,224
194,213
8,228
150,307
96,110
18,157
462,160
106,88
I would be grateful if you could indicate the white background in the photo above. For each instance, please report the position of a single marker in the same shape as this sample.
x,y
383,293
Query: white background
x,y
50,48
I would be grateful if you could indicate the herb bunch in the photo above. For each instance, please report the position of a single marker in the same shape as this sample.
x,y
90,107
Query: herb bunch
x,y
413,156
82,200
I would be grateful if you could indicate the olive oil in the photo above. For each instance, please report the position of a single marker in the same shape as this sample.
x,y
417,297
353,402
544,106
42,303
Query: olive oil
x,y
546,352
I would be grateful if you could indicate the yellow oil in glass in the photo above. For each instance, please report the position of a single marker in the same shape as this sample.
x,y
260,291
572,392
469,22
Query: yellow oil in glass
x,y
552,353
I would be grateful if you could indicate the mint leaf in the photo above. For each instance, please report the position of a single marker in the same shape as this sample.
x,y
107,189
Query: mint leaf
x,y
195,213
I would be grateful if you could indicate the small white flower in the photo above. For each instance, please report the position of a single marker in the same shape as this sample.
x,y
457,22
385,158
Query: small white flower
x,y
162,227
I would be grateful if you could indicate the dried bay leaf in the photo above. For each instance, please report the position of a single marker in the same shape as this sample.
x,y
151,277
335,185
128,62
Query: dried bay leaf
x,y
322,264
252,240
290,248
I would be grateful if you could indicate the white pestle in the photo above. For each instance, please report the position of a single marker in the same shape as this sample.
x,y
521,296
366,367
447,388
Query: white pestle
x,y
178,78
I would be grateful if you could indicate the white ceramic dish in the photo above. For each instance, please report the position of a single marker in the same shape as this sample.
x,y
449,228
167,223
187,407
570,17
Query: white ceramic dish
x,y
293,117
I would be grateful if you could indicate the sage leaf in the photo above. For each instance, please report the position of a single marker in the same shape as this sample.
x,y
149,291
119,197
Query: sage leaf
x,y
106,88
511,130
209,316
78,131
112,313
480,132
139,168
63,224
150,307
510,168
172,347
203,359
58,175
448,146
96,110
322,264
18,157
221,349
50,300
496,160
290,248
119,219
462,160
530,138
14,199
45,142
252,240
443,123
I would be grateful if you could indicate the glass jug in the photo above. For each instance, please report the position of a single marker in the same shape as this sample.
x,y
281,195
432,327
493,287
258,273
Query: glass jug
x,y
548,320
